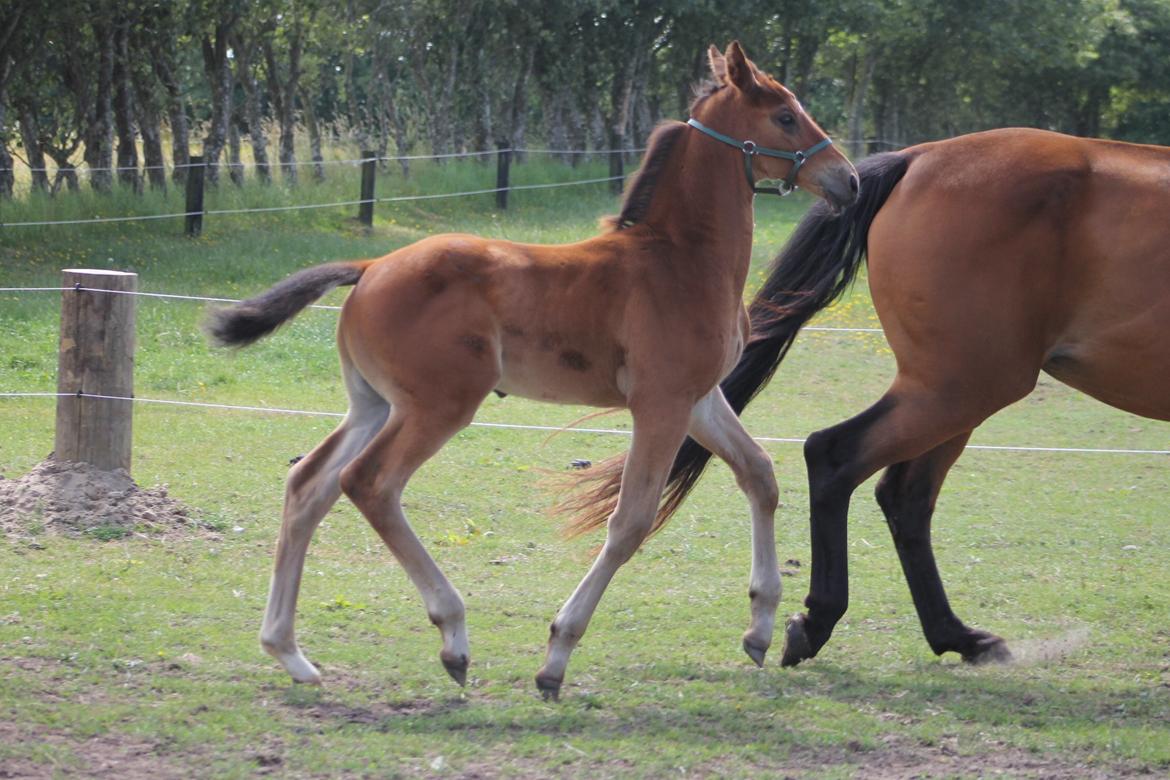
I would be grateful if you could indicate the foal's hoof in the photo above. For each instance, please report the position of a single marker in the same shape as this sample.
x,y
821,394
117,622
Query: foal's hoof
x,y
755,651
549,687
987,649
796,645
456,667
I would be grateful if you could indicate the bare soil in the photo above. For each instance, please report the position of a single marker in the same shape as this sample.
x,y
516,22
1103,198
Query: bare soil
x,y
76,499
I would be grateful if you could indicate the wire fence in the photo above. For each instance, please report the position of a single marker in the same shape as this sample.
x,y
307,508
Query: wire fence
x,y
195,211
278,164
483,424
472,154
309,206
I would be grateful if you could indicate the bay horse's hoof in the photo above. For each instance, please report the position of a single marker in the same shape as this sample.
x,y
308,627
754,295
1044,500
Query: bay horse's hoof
x,y
796,645
987,649
755,651
549,687
456,667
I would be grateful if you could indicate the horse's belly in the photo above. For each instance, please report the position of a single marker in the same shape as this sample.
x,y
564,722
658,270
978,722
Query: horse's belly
x,y
568,378
1126,366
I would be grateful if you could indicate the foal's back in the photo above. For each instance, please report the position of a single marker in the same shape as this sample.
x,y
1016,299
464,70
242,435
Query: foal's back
x,y
557,323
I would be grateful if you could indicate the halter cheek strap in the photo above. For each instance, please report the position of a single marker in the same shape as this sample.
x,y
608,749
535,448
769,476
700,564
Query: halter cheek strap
x,y
750,150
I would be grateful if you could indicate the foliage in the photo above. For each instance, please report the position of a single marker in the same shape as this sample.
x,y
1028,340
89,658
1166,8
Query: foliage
x,y
444,75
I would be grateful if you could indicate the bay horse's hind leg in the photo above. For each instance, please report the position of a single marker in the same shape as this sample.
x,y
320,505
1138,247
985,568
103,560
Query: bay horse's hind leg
x,y
715,426
374,481
909,421
907,494
311,489
659,430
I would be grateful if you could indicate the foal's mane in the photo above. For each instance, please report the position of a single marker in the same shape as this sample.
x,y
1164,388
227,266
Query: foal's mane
x,y
640,190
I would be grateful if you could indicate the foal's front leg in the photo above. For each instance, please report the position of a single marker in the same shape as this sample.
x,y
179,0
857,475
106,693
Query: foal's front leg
x,y
715,426
658,433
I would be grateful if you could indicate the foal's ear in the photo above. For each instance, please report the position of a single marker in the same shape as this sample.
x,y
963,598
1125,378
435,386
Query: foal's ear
x,y
739,69
718,64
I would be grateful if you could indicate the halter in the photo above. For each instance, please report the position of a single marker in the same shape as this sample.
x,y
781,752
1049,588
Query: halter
x,y
750,149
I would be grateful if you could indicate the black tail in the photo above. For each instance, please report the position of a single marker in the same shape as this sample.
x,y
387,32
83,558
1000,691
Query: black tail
x,y
815,267
250,320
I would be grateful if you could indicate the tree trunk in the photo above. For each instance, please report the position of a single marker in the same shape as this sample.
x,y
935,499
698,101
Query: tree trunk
x,y
314,136
401,140
7,171
484,133
358,113
862,76
235,166
252,116
99,129
176,112
124,108
66,170
520,101
622,101
34,152
164,69
283,97
558,122
386,110
11,24
219,76
442,115
149,127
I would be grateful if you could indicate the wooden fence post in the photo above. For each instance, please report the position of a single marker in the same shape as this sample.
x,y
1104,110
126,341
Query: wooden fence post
x,y
96,358
195,196
616,171
503,163
369,171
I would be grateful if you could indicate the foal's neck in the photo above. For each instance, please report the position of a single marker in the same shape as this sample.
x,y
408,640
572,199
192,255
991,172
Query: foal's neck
x,y
704,207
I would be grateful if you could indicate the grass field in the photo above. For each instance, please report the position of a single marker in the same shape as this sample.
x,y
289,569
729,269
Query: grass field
x,y
138,657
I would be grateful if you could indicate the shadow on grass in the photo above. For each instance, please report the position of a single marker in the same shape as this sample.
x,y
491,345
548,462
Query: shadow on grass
x,y
833,711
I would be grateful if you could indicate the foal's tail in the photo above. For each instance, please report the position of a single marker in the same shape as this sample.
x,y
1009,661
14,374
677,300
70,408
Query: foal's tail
x,y
816,266
249,321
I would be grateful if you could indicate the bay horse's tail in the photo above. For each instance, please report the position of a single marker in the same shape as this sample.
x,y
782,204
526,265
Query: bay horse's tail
x,y
251,320
816,266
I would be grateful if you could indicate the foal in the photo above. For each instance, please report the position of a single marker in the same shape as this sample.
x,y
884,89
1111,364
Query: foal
x,y
648,316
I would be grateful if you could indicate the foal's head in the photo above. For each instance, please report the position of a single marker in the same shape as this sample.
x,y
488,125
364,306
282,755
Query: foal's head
x,y
748,104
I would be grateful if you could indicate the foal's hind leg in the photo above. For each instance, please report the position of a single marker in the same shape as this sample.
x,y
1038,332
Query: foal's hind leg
x,y
374,481
715,426
907,494
311,489
659,431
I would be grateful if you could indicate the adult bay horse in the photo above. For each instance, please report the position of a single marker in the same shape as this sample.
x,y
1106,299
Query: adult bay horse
x,y
647,316
992,257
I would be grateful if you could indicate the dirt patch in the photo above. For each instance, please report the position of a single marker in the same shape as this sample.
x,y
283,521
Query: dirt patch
x,y
108,756
76,499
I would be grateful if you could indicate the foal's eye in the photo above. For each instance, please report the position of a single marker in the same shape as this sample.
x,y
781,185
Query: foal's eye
x,y
785,120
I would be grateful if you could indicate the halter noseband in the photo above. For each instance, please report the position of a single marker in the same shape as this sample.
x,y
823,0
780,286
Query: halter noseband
x,y
750,149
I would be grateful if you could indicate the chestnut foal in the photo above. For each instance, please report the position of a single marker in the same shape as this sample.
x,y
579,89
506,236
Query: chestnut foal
x,y
648,316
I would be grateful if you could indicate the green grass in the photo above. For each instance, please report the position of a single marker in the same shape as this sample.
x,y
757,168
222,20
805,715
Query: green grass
x,y
144,651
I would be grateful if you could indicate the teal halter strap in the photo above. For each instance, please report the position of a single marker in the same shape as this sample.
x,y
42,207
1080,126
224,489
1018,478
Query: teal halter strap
x,y
750,149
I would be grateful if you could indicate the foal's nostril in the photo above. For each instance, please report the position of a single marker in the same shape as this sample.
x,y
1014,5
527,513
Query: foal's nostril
x,y
853,184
